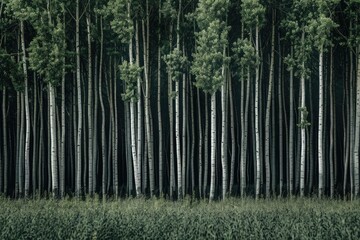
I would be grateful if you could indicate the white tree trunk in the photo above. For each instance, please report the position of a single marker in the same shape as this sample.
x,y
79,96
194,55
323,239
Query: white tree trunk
x,y
79,105
244,137
268,112
160,143
224,164
90,108
54,160
200,146
213,146
291,133
320,128
149,135
357,128
27,113
257,120
139,145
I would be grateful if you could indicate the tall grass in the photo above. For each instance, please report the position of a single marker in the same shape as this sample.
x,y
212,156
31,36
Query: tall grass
x,y
161,219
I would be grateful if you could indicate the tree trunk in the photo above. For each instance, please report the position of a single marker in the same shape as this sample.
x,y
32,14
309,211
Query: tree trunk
x,y
332,128
160,143
233,138
320,128
291,132
303,139
5,142
244,136
223,152
27,113
149,135
90,108
79,105
281,138
257,120
268,111
357,128
213,146
200,146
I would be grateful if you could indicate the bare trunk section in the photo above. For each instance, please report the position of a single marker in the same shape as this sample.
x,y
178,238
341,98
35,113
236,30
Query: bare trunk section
x,y
27,113
213,146
257,120
90,108
268,111
320,128
357,128
79,106
5,141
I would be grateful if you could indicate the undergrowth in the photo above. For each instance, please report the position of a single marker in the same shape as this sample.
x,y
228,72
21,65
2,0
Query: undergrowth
x,y
187,219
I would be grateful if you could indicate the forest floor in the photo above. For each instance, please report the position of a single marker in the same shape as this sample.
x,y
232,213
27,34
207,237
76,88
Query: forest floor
x,y
187,219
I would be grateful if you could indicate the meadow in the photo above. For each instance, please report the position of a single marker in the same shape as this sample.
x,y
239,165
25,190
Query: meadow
x,y
187,219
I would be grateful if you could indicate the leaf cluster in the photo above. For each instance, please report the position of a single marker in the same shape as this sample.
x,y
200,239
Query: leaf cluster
x,y
121,20
130,73
209,58
252,13
47,52
10,71
176,63
245,54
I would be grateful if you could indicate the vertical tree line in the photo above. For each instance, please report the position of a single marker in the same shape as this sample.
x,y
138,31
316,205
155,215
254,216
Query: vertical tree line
x,y
208,98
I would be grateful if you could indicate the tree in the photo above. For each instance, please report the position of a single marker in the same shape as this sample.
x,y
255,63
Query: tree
x,y
209,61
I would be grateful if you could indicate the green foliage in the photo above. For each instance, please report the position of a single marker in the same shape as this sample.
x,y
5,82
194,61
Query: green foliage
x,y
176,63
245,54
121,21
11,72
209,10
303,118
253,13
47,52
211,41
129,73
159,219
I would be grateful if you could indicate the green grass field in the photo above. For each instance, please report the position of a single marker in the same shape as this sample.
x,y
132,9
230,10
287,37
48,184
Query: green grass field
x,y
161,219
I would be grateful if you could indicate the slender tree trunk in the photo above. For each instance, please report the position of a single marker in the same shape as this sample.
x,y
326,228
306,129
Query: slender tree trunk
x,y
268,111
149,135
139,108
200,146
160,143
90,108
291,132
171,124
21,147
177,113
233,138
103,116
213,146
332,128
281,137
257,120
244,136
357,128
223,152
184,163
79,105
303,128
27,113
5,142
320,128
206,146
54,158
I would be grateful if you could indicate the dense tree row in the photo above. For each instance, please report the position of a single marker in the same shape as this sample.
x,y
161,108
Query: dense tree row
x,y
174,97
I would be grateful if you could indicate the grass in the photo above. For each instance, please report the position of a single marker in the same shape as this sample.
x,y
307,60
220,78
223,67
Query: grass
x,y
161,219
